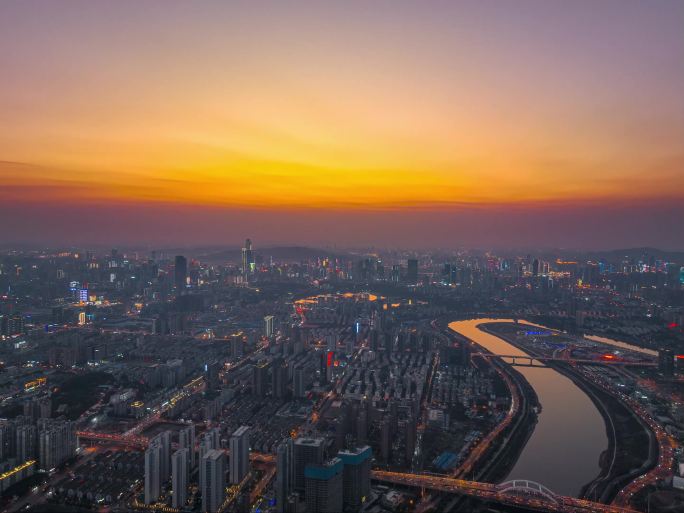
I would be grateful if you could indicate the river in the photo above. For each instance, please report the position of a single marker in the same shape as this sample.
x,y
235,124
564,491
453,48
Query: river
x,y
621,345
570,435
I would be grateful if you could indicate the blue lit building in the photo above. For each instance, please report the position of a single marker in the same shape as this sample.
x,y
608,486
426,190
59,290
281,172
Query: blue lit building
x,y
324,486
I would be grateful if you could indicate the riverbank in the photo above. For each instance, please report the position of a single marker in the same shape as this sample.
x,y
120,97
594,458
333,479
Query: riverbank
x,y
632,447
497,468
500,457
632,450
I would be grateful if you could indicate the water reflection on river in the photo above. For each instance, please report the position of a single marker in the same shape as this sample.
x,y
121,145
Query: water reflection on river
x,y
563,451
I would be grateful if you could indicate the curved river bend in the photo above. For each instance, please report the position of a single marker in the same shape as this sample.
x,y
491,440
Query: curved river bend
x,y
564,449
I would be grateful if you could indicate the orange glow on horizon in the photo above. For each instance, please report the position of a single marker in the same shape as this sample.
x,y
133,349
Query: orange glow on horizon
x,y
294,107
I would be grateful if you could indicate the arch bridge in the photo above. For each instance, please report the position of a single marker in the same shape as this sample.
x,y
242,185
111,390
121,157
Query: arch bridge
x,y
527,487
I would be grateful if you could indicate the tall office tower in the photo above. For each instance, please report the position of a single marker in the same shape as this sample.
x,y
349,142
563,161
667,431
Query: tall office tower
x,y
412,271
153,479
164,440
306,451
324,486
356,477
269,326
535,267
214,482
284,473
247,258
180,273
186,440
26,443
239,455
179,477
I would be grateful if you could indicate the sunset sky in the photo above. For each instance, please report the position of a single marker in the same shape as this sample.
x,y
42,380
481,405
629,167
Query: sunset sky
x,y
350,123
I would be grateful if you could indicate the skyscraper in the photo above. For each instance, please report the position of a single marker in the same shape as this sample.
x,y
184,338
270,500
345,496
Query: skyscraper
x,y
214,485
269,325
323,486
239,455
412,271
210,441
284,473
186,440
179,477
164,440
356,477
306,451
153,456
180,273
247,258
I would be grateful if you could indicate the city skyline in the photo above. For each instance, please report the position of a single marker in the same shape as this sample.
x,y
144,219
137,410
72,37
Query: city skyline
x,y
470,124
342,257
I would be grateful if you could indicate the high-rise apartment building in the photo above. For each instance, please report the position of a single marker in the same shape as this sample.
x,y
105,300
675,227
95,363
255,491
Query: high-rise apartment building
x,y
186,440
239,455
213,488
153,479
179,477
284,473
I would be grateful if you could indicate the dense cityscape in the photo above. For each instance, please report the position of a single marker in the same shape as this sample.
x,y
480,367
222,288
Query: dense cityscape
x,y
290,379
388,256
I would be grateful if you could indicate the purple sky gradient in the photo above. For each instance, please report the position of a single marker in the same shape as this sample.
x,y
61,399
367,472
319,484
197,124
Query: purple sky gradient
x,y
493,98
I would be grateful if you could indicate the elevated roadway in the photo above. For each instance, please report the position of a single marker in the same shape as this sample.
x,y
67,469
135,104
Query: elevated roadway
x,y
515,493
